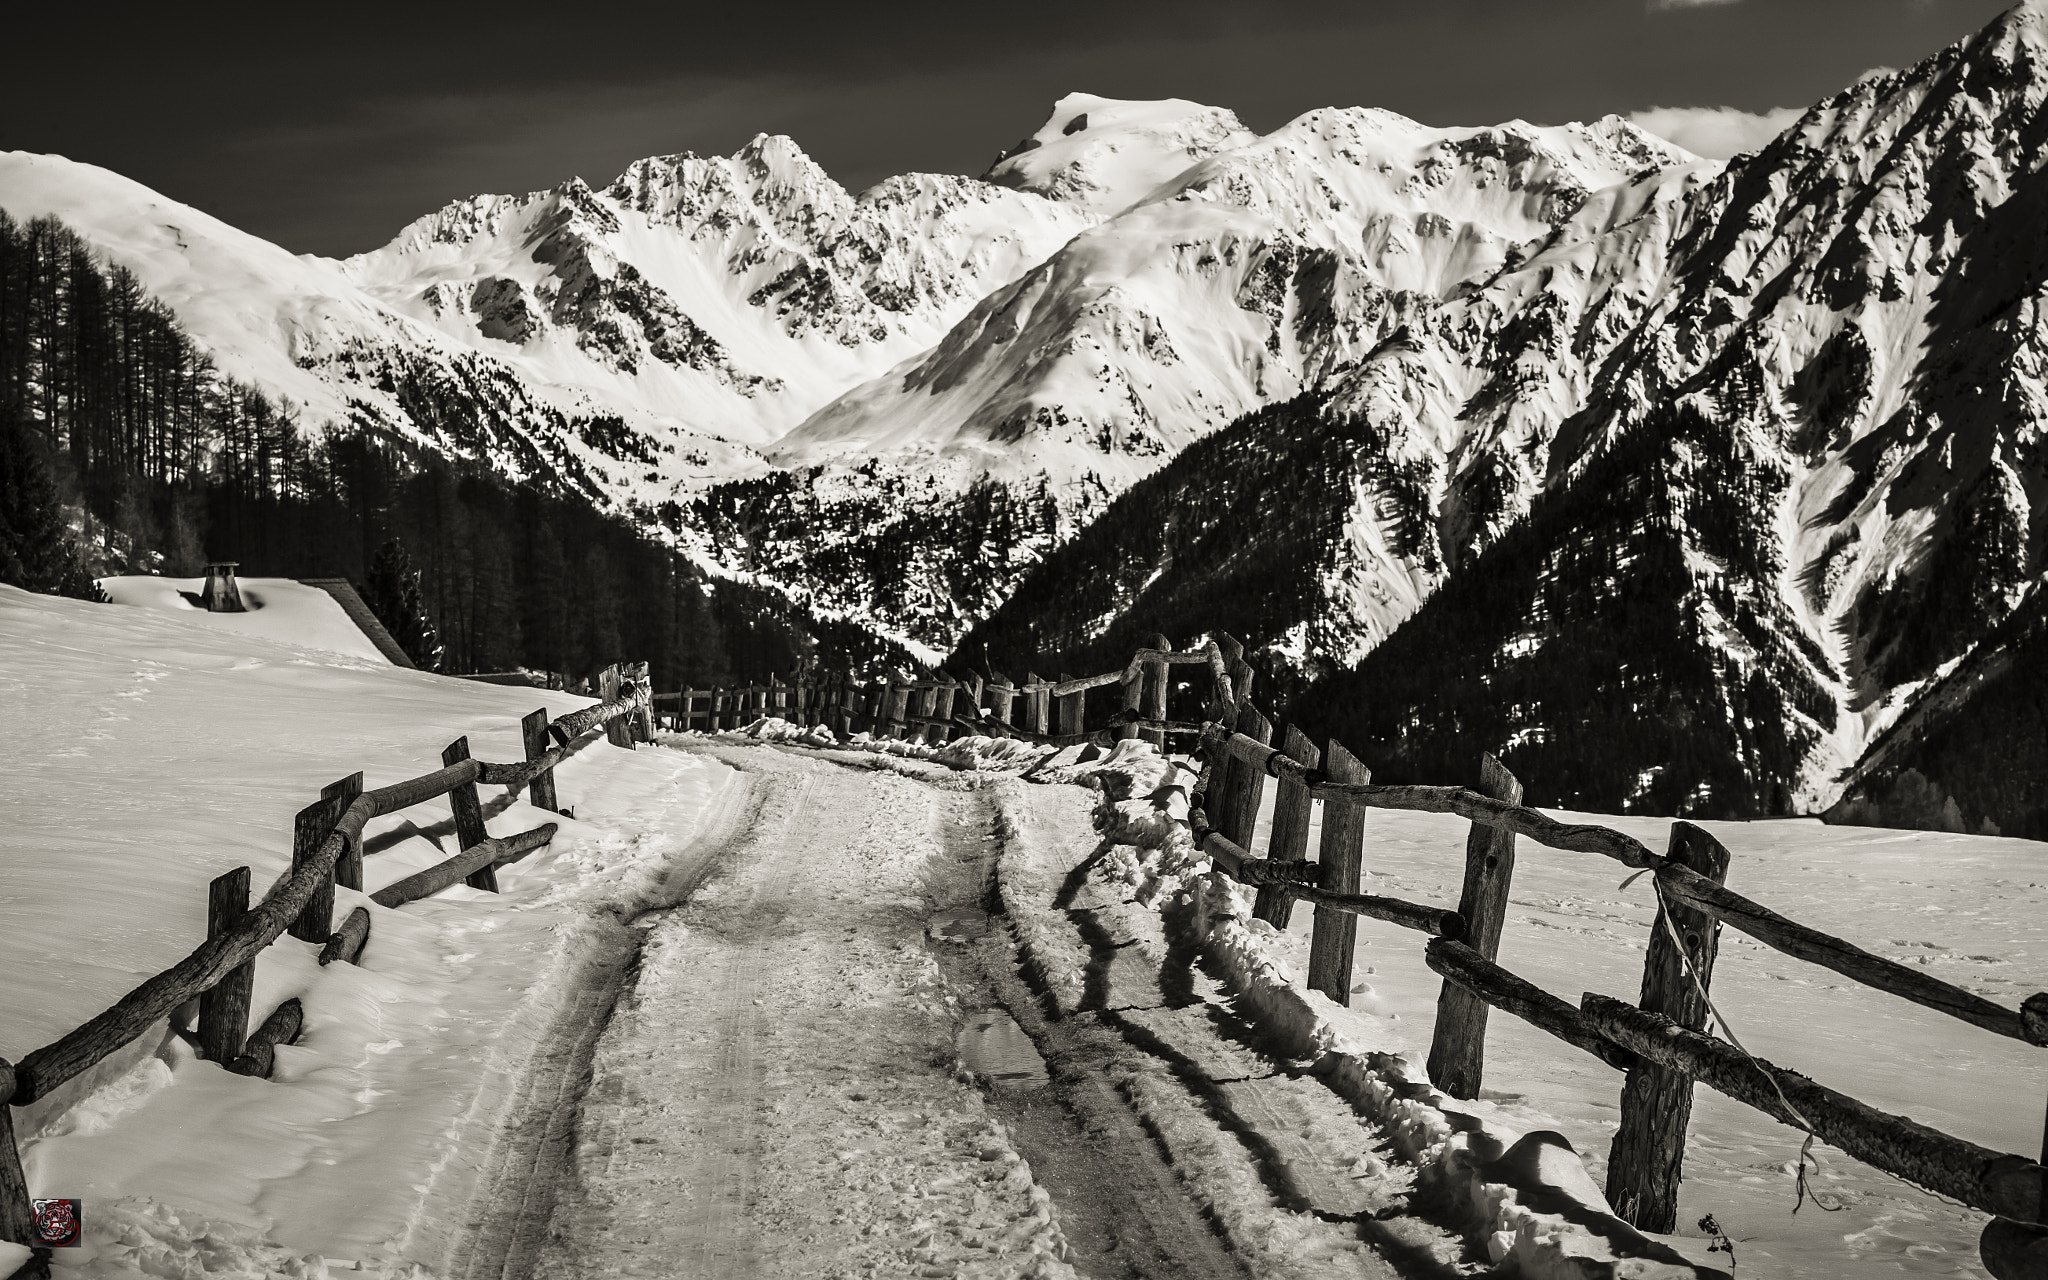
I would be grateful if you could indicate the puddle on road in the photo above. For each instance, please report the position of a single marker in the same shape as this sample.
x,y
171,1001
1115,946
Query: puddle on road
x,y
993,1045
960,924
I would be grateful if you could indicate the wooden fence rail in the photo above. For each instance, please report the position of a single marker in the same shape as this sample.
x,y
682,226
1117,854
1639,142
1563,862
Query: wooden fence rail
x,y
327,848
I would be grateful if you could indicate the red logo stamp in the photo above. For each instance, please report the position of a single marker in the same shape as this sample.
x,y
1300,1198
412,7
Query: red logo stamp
x,y
58,1223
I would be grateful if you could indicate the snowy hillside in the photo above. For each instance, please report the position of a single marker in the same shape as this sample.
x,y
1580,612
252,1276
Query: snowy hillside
x,y
180,749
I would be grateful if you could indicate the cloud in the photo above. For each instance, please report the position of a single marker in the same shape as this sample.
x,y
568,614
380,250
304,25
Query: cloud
x,y
1717,133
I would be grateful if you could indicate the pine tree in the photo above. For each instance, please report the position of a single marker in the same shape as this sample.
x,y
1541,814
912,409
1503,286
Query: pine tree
x,y
36,550
394,596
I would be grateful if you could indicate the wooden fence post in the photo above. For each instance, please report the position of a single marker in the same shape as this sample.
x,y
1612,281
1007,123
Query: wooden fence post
x,y
1037,704
1457,1051
616,731
1132,701
1156,675
1289,842
1656,1102
339,795
533,730
17,1214
970,684
643,719
1244,786
1001,694
942,709
1072,709
310,830
224,1009
469,819
901,686
1340,855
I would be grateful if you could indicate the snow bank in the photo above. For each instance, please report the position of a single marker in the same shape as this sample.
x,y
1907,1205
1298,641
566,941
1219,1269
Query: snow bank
x,y
279,609
1528,1196
169,749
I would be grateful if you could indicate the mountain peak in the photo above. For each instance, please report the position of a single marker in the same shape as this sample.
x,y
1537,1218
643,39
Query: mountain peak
x,y
1106,154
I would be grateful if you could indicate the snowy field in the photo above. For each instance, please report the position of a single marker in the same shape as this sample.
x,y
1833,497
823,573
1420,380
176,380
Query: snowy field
x,y
1971,909
156,747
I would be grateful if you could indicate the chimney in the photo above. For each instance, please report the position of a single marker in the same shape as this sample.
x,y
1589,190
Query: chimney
x,y
221,595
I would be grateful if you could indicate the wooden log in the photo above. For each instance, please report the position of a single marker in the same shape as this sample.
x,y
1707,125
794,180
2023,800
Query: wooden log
x,y
224,1007
2014,1250
1244,785
1457,962
1295,878
577,722
1540,827
346,943
491,852
1457,1048
17,1212
1067,686
469,817
1289,841
533,732
259,1057
1342,855
2028,1023
1645,1163
1995,1182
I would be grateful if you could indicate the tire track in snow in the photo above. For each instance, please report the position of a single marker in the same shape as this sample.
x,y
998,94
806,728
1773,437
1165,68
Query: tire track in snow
x,y
790,1008
522,1170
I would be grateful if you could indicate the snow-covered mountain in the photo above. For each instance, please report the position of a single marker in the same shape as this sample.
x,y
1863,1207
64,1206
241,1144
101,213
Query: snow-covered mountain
x,y
1254,272
637,341
1832,347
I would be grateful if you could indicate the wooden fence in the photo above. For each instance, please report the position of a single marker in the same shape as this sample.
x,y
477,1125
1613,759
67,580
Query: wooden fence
x,y
327,849
1658,1042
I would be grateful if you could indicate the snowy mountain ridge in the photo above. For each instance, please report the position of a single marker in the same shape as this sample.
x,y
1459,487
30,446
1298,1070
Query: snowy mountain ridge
x,y
1848,322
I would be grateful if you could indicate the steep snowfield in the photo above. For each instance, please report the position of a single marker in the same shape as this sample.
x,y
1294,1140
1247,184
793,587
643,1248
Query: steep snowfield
x,y
169,749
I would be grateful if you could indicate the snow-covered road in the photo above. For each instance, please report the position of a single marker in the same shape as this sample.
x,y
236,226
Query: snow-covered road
x,y
776,1094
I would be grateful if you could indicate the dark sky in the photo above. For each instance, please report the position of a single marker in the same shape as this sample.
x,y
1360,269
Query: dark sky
x,y
328,126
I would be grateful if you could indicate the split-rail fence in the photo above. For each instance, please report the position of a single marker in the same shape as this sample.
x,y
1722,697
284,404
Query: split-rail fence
x,y
327,850
1658,1042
